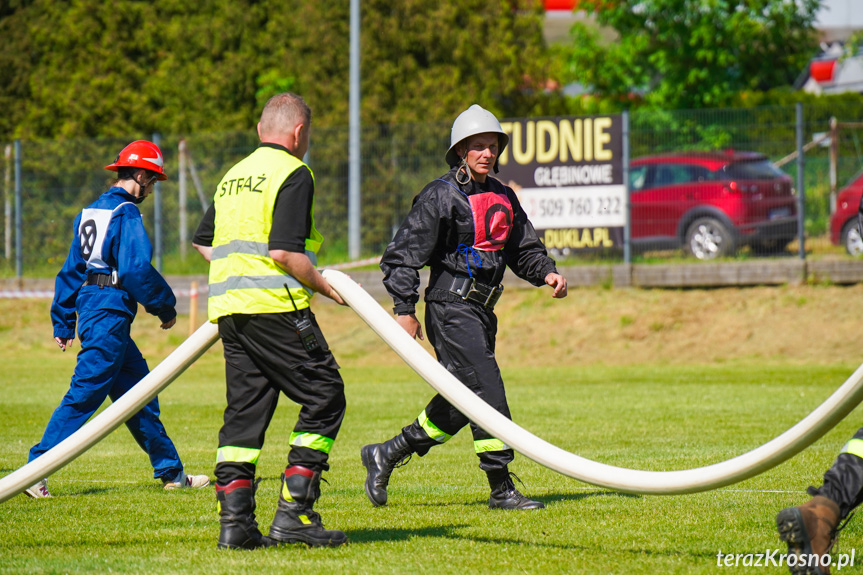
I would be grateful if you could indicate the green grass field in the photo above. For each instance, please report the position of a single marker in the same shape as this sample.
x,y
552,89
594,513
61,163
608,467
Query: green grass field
x,y
109,515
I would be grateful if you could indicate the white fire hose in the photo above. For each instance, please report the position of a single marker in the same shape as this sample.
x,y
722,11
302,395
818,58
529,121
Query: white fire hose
x,y
806,432
772,453
112,416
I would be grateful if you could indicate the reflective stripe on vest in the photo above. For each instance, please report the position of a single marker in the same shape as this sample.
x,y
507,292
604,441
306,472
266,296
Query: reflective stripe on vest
x,y
243,276
276,282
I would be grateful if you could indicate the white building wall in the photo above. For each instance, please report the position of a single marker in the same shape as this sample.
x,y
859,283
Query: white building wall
x,y
838,19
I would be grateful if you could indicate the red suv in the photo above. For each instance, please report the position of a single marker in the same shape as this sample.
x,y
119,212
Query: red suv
x,y
843,222
711,203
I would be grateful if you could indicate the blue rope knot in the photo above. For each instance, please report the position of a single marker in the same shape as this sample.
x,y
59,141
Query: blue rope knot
x,y
470,253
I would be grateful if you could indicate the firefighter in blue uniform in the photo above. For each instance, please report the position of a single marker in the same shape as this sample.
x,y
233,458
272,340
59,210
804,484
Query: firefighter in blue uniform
x,y
106,275
467,227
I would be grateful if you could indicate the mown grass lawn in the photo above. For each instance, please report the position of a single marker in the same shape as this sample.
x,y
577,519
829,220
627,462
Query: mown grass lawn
x,y
109,515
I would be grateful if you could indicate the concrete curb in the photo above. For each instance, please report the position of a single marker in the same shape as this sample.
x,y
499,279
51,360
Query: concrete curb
x,y
674,276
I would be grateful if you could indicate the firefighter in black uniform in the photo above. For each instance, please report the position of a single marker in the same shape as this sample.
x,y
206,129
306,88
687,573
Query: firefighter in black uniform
x,y
467,227
811,529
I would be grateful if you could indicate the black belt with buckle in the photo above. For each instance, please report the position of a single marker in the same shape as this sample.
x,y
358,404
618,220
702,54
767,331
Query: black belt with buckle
x,y
471,290
102,280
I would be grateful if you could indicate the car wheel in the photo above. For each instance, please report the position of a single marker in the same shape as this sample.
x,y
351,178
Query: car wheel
x,y
851,239
708,238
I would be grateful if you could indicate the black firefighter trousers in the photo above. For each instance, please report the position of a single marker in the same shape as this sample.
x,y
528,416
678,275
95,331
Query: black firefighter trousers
x,y
843,483
463,335
264,357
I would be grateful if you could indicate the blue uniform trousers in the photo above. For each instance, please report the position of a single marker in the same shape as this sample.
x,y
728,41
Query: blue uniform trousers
x,y
109,364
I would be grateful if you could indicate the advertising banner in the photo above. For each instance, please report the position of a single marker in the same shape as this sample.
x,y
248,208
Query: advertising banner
x,y
568,175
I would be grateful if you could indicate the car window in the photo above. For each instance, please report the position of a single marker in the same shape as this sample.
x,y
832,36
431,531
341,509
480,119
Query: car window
x,y
701,174
637,177
757,170
673,174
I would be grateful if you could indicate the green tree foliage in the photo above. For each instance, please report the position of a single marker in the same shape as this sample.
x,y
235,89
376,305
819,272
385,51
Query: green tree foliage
x,y
691,53
131,67
16,64
87,68
427,61
308,43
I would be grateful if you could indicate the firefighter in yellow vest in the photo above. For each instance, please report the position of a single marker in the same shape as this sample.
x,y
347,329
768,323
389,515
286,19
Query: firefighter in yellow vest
x,y
260,238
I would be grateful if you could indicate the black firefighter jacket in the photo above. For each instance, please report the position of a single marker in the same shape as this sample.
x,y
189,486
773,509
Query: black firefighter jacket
x,y
474,230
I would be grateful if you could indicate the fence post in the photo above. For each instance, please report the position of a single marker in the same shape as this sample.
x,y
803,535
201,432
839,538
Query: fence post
x,y
627,230
193,308
800,186
7,203
196,180
354,195
834,160
19,253
157,216
181,182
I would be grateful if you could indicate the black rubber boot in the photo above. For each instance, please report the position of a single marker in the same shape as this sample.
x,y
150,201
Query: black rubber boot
x,y
504,495
379,460
295,521
810,530
239,529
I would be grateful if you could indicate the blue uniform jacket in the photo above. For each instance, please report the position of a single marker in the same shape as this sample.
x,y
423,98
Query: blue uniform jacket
x,y
109,236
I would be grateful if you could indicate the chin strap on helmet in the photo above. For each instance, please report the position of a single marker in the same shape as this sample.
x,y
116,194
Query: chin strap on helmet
x,y
152,178
463,169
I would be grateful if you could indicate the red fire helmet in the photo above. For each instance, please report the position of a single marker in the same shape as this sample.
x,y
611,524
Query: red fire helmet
x,y
140,154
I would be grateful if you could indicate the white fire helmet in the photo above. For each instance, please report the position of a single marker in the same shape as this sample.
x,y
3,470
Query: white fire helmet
x,y
475,120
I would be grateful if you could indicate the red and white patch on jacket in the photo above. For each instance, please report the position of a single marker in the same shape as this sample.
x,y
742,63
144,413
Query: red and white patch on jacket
x,y
492,220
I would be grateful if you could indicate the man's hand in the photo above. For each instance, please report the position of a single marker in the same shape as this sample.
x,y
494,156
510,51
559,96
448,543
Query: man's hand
x,y
334,295
411,324
558,282
301,268
205,251
64,342
169,324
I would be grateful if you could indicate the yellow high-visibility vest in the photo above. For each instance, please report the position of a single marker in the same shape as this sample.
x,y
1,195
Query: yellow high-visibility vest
x,y
244,279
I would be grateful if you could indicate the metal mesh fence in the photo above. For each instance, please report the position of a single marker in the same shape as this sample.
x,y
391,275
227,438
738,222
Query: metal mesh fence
x,y
771,131
58,178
